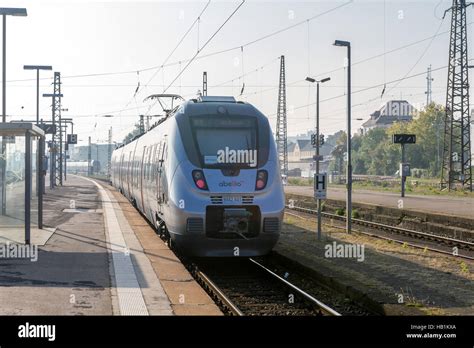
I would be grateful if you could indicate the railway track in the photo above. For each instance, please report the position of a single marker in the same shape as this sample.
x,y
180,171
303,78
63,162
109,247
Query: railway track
x,y
465,248
246,287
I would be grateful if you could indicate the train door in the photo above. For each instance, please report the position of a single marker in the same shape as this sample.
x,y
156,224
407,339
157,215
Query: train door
x,y
129,174
141,183
146,180
162,176
152,193
121,171
157,176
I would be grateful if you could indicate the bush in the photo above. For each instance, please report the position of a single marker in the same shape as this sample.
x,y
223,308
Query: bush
x,y
355,214
340,211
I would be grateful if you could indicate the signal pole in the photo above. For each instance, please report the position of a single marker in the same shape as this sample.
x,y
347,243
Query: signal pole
x,y
56,144
429,81
318,142
281,128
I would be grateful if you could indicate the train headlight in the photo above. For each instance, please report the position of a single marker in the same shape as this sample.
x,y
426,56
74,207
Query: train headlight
x,y
199,180
262,177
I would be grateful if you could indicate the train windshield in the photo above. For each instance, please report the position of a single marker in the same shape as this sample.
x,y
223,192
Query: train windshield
x,y
226,142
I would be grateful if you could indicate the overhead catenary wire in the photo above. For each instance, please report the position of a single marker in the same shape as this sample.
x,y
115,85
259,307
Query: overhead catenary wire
x,y
204,45
134,71
369,88
414,43
197,53
384,54
422,54
160,68
222,84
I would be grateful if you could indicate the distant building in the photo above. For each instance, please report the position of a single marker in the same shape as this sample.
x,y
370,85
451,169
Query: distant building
x,y
99,152
393,111
300,157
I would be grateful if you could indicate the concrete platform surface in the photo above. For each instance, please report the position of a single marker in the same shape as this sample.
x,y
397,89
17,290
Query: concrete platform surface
x,y
455,206
102,259
71,273
17,235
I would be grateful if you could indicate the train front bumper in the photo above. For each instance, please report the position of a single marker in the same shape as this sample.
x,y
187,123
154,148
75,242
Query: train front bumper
x,y
203,246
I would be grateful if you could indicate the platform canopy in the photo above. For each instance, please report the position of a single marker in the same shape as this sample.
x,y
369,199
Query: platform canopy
x,y
21,180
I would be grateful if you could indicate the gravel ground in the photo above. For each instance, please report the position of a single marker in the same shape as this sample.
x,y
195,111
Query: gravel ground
x,y
402,279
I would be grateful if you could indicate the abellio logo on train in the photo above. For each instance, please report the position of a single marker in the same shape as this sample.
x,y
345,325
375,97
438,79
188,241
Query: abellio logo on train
x,y
230,183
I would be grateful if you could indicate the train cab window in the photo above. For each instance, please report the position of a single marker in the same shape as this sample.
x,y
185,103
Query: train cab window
x,y
223,142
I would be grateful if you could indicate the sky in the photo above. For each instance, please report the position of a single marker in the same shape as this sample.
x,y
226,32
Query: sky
x,y
105,49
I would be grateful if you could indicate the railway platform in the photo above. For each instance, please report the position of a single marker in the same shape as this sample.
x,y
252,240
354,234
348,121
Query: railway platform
x,y
443,205
99,258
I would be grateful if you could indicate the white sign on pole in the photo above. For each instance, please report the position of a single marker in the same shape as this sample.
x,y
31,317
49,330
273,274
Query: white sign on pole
x,y
320,186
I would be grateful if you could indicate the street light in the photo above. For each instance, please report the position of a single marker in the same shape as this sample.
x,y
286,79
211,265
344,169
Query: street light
x,y
309,79
37,68
347,44
21,12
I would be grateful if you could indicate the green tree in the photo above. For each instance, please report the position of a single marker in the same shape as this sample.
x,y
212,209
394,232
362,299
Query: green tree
x,y
375,154
132,134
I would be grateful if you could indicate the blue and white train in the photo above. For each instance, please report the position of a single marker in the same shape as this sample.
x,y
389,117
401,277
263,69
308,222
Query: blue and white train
x,y
207,177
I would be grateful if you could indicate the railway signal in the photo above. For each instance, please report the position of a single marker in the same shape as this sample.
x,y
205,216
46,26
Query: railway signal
x,y
316,141
404,171
404,138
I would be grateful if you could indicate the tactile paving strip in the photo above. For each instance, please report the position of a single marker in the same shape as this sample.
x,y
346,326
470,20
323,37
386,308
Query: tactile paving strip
x,y
129,294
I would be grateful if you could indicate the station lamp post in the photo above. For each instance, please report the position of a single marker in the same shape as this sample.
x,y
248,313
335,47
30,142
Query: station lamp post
x,y
5,11
37,68
347,44
318,142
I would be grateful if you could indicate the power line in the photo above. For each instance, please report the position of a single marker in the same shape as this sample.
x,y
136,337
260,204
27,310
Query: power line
x,y
134,71
368,88
222,84
199,51
422,54
204,46
414,43
179,43
138,90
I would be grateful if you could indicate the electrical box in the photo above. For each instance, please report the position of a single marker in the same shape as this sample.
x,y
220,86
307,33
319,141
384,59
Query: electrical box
x,y
405,169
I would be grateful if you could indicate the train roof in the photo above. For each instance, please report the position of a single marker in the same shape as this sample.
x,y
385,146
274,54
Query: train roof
x,y
207,105
212,105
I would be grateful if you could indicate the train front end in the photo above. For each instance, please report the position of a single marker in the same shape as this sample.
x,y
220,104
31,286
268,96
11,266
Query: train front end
x,y
226,191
